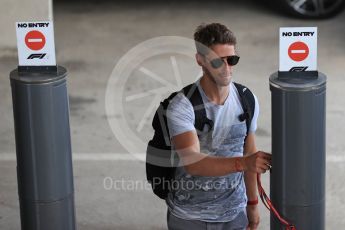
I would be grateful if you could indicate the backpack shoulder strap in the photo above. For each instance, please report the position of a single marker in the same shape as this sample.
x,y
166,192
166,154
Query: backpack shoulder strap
x,y
193,94
248,104
159,122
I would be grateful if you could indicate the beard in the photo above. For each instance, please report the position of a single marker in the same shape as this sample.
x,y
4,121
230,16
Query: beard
x,y
221,79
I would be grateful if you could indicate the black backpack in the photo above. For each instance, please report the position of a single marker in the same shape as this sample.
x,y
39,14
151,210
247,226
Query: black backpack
x,y
161,159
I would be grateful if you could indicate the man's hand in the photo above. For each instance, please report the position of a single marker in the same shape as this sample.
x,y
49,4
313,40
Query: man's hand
x,y
258,162
253,217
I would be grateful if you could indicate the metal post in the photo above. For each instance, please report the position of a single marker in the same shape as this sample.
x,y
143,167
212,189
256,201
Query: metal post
x,y
43,147
298,150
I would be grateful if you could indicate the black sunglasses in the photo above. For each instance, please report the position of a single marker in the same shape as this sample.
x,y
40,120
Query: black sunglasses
x,y
231,60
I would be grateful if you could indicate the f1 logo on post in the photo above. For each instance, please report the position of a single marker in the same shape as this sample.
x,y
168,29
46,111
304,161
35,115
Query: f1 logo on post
x,y
39,56
298,49
35,42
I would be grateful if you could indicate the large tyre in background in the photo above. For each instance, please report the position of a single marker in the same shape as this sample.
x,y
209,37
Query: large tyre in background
x,y
310,8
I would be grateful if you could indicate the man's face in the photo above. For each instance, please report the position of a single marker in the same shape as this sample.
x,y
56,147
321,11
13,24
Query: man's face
x,y
222,74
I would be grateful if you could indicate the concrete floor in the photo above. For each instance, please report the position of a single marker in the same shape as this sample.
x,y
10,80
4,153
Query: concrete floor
x,y
91,39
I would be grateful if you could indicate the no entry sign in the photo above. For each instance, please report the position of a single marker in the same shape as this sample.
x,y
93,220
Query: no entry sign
x,y
298,49
35,41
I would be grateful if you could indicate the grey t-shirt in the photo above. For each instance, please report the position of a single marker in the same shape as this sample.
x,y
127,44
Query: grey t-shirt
x,y
212,199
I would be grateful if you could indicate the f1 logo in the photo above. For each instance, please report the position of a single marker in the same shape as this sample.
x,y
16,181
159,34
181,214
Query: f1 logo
x,y
298,69
39,56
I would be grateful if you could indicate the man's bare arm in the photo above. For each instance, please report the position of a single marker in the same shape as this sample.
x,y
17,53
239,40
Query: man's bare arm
x,y
250,177
197,163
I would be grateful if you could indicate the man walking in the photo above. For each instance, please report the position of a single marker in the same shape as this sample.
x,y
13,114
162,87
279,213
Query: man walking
x,y
219,165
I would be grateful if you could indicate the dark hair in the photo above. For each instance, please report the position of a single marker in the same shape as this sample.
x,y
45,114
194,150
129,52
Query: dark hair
x,y
207,35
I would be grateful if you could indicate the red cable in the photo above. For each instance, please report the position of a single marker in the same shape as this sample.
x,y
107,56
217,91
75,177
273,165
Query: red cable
x,y
267,202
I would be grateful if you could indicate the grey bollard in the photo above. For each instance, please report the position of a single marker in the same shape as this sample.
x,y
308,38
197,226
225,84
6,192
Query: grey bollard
x,y
43,147
297,181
